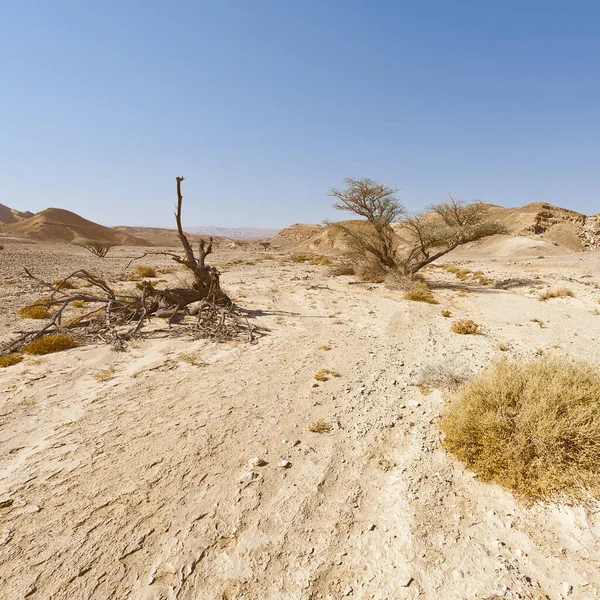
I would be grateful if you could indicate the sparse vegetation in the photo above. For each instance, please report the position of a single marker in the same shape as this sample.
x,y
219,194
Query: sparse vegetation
x,y
531,426
191,358
446,313
420,292
34,311
446,375
145,271
104,375
343,269
320,426
555,293
50,344
325,348
466,327
98,248
323,374
64,284
8,360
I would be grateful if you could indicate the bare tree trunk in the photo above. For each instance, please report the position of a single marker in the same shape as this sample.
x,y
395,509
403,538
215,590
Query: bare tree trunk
x,y
206,279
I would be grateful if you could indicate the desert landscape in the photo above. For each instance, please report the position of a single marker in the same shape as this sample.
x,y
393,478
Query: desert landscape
x,y
302,457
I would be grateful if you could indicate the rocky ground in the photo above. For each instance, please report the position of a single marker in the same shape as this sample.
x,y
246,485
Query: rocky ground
x,y
186,469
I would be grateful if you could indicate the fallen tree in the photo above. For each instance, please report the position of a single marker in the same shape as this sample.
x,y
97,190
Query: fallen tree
x,y
115,317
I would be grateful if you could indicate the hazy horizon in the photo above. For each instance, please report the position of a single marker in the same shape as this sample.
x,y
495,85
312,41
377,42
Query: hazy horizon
x,y
264,107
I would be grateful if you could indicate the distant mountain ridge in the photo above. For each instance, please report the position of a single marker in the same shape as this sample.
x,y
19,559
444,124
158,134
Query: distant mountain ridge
x,y
234,233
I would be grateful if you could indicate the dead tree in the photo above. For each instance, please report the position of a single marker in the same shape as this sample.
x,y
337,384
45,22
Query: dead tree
x,y
207,284
265,245
116,317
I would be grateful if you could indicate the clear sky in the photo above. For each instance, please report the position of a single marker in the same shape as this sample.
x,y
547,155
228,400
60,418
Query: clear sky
x,y
264,105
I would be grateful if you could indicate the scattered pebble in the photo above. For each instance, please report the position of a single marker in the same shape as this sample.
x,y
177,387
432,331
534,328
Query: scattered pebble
x,y
566,588
248,477
257,462
371,527
285,464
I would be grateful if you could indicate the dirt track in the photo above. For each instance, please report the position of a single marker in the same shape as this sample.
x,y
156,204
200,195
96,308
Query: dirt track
x,y
138,487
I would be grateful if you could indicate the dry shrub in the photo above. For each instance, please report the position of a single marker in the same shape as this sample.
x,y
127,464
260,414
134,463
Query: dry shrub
x,y
78,304
343,269
320,426
325,348
35,311
446,375
191,358
103,375
532,426
49,344
323,374
145,271
62,284
321,259
8,360
556,293
371,272
446,313
420,292
466,327
298,257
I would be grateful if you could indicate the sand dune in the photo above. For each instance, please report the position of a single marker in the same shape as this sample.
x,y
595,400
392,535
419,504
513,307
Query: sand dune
x,y
59,225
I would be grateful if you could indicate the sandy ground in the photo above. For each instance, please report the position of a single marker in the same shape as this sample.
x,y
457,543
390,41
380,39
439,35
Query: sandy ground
x,y
143,487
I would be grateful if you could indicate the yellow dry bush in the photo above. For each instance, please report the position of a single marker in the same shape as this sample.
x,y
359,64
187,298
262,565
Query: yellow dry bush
x,y
299,257
420,292
49,344
532,426
8,360
320,259
35,311
466,327
556,293
64,285
346,269
446,313
323,374
320,426
145,271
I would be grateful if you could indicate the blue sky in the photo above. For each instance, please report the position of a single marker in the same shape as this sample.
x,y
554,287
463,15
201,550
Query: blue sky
x,y
264,105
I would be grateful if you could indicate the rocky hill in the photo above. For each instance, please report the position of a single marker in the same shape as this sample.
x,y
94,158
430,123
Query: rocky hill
x,y
545,226
10,215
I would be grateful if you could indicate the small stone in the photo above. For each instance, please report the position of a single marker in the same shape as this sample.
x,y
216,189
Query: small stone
x,y
413,403
566,588
315,385
457,574
405,581
248,477
371,527
257,462
296,443
285,464
520,553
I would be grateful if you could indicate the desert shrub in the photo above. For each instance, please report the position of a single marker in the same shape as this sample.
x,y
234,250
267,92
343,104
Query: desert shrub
x,y
466,327
446,375
61,284
371,271
323,374
321,259
49,344
325,348
145,271
446,313
35,311
298,257
420,292
104,375
78,303
320,426
556,293
98,248
345,269
532,426
8,360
